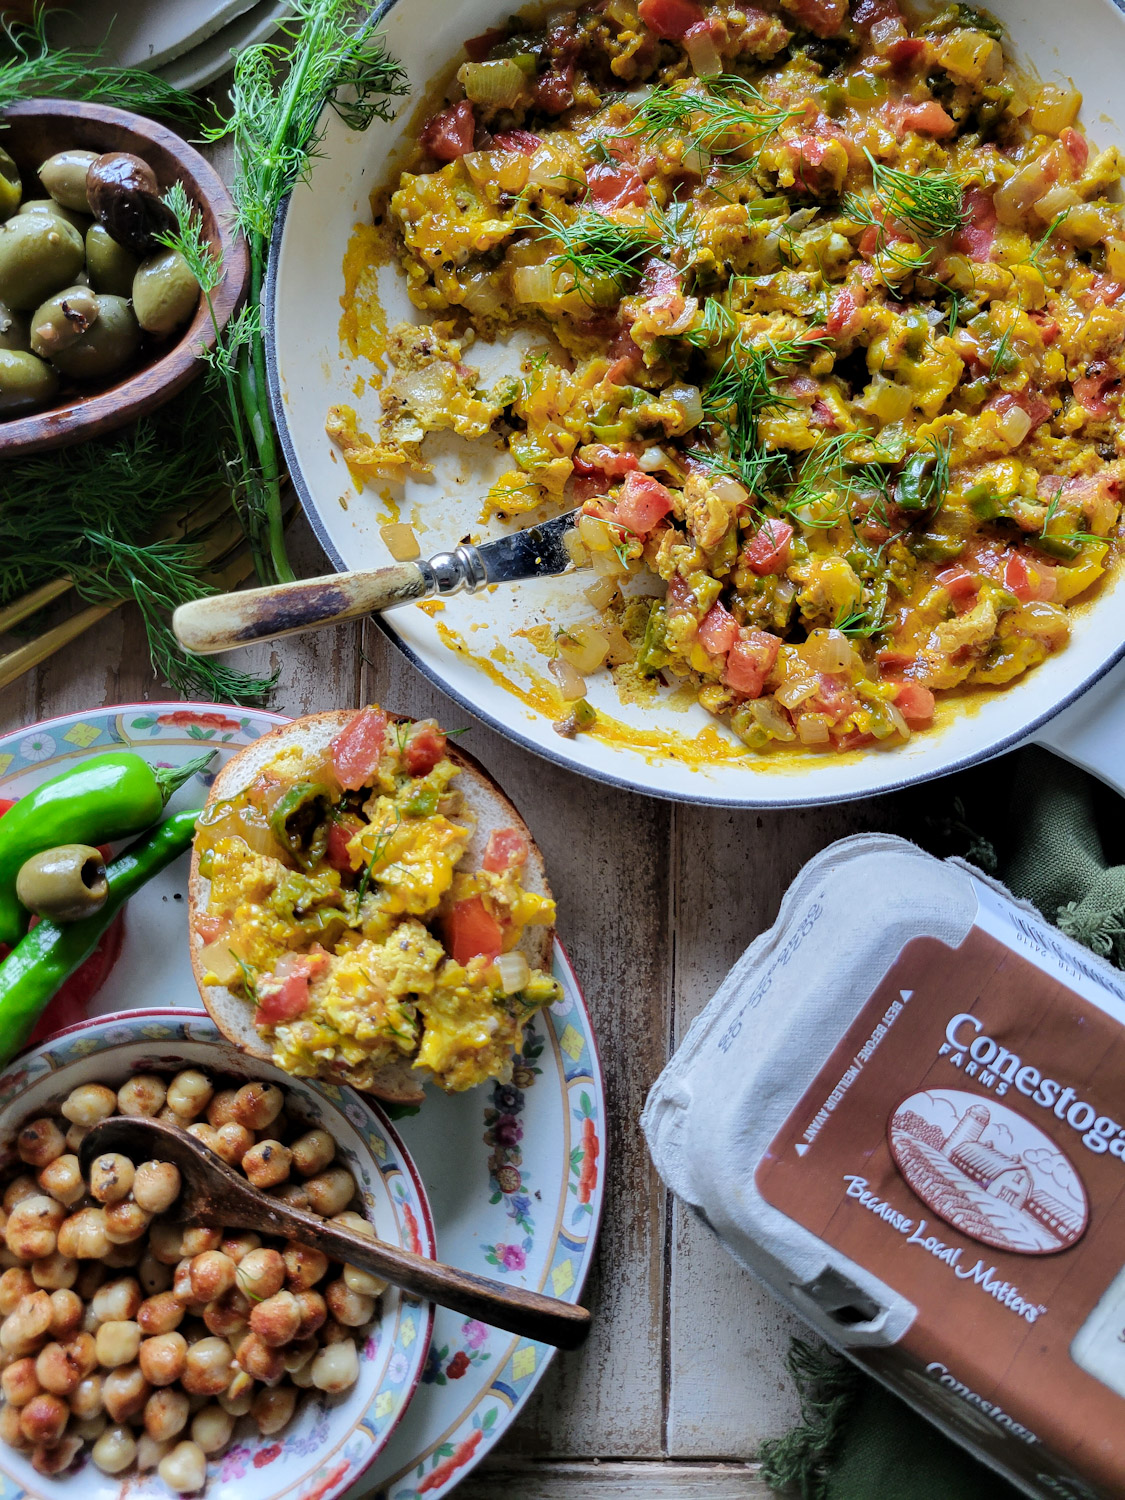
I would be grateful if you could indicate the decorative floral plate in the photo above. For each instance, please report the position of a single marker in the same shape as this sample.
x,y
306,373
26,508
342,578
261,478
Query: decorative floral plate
x,y
331,1441
521,1197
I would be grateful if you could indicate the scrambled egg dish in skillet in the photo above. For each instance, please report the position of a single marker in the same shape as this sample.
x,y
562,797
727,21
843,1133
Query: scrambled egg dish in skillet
x,y
831,309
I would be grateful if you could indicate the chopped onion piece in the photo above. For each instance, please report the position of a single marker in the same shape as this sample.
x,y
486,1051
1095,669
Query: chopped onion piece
x,y
706,59
652,460
771,718
576,549
620,647
401,542
729,491
1055,108
571,685
1015,425
812,729
584,647
696,159
689,399
533,283
512,170
515,972
216,958
898,721
795,690
498,84
601,594
829,651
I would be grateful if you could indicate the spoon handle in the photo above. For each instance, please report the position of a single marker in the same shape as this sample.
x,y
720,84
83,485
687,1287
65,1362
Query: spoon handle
x,y
530,1314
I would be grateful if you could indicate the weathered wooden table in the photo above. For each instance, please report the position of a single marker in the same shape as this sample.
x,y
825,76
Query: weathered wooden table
x,y
684,1374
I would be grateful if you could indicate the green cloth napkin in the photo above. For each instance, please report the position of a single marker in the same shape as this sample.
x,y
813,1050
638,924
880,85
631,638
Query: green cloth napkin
x,y
855,1440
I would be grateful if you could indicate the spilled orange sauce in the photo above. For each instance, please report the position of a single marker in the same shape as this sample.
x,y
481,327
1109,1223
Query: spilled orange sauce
x,y
363,323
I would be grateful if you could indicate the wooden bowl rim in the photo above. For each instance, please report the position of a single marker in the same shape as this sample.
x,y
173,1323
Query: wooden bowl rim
x,y
143,391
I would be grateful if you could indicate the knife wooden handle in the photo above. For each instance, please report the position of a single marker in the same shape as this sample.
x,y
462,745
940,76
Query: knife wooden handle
x,y
226,621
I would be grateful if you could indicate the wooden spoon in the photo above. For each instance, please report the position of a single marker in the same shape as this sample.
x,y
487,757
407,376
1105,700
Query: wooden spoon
x,y
214,1193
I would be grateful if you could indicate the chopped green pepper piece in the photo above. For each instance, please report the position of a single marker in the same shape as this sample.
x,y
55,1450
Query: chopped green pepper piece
x,y
653,653
300,821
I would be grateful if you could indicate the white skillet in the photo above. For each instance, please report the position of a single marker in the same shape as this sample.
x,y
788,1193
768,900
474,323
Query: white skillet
x,y
310,370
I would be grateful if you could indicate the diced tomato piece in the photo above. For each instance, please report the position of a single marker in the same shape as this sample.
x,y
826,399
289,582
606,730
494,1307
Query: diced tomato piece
x,y
284,994
507,849
517,140
424,749
822,415
892,661
659,279
670,18
449,134
821,17
961,585
868,12
600,458
210,927
767,551
977,235
1090,393
833,697
927,119
843,308
478,47
1104,289
855,739
680,598
471,930
905,51
1029,579
1076,146
916,704
554,91
1030,402
615,186
718,630
643,501
71,1001
358,748
1048,326
340,833
750,661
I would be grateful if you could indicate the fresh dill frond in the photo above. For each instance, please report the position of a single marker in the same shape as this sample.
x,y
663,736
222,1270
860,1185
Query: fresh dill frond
x,y
930,203
382,839
1002,357
914,260
596,249
867,620
249,976
189,239
823,469
954,311
716,325
725,117
1045,238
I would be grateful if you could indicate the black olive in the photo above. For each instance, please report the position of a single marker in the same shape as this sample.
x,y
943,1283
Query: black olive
x,y
125,200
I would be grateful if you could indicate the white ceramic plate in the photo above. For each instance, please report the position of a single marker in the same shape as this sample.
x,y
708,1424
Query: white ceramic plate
x,y
211,59
140,34
521,1196
310,371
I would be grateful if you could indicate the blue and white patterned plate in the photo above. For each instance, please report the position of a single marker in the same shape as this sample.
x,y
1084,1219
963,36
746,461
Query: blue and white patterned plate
x,y
521,1196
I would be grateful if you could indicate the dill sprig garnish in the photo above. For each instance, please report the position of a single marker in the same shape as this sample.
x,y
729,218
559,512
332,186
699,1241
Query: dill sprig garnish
x,y
930,203
725,117
595,248
716,325
277,119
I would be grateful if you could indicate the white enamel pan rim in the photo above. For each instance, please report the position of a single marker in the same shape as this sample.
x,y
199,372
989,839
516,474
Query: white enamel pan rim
x,y
818,781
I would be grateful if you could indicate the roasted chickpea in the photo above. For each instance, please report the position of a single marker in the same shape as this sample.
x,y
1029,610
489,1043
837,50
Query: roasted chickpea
x,y
330,1192
20,1381
228,1314
360,1281
57,1458
44,1418
118,1301
205,1133
125,1223
89,1103
189,1093
166,1414
260,1360
212,1428
61,1179
118,1343
32,1227
232,1141
221,1108
15,1284
212,1275
304,1267
196,1241
313,1152
353,1309
54,1272
273,1408
142,1095
298,1355
111,1177
260,1274
293,1195
314,1311
18,1189
257,1105
184,1469
207,1371
123,1257
153,1275
336,1367
66,1313
115,1450
236,1246
24,1330
150,1452
125,1392
181,1284
83,1235
277,1319
160,1313
60,1368
267,1164
40,1142
91,1275
162,1358
156,1186
10,1432
87,1399
332,1332
166,1243
89,1430
75,1136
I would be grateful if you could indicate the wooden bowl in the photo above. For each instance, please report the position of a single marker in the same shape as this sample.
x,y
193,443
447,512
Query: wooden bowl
x,y
34,130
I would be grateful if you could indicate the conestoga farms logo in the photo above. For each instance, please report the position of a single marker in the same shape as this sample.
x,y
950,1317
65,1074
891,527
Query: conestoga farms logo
x,y
988,1171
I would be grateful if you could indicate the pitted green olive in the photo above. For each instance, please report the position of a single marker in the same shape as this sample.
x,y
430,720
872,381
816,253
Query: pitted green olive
x,y
11,187
64,177
165,293
39,254
15,331
110,266
62,320
56,211
25,382
107,346
64,884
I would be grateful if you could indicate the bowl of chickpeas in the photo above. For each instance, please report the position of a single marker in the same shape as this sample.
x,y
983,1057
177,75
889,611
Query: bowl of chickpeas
x,y
141,1354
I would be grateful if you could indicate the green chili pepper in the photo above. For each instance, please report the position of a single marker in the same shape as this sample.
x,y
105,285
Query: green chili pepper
x,y
954,16
300,821
107,797
653,653
912,491
423,804
49,954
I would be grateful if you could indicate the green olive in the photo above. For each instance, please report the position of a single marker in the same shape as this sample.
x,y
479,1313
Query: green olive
x,y
64,177
62,320
165,293
64,884
11,187
107,346
57,211
25,382
15,331
39,255
111,267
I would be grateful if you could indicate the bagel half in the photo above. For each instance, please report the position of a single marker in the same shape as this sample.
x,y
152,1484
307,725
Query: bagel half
x,y
398,1082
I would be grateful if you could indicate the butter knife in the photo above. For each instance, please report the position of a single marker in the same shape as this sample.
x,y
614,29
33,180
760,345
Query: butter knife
x,y
225,621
